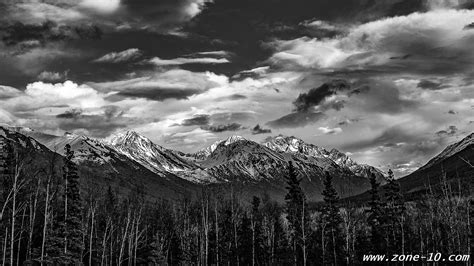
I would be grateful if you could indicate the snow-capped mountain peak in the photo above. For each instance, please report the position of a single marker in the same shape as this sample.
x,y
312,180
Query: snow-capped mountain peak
x,y
294,145
128,137
147,153
206,152
233,139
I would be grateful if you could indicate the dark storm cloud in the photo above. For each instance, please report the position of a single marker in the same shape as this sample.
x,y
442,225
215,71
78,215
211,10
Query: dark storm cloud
x,y
428,84
316,96
259,130
299,119
197,120
305,102
157,94
222,128
49,31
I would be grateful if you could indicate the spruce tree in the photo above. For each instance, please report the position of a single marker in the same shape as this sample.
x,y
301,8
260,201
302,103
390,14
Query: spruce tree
x,y
375,217
333,220
245,240
73,226
297,215
394,211
257,238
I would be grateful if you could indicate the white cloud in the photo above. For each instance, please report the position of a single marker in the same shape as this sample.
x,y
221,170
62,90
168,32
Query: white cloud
x,y
102,6
40,95
171,79
182,61
118,57
330,131
5,117
220,53
8,92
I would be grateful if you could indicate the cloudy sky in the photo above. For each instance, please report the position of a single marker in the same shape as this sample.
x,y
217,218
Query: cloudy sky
x,y
390,82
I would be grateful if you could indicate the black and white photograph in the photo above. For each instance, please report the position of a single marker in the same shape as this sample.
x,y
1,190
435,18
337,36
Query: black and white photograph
x,y
236,132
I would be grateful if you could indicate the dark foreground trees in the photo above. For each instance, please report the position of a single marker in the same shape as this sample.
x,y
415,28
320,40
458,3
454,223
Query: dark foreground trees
x,y
105,227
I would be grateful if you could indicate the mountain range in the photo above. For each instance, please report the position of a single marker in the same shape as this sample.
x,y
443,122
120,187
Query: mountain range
x,y
130,162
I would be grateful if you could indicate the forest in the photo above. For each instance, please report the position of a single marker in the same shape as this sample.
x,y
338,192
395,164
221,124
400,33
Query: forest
x,y
49,218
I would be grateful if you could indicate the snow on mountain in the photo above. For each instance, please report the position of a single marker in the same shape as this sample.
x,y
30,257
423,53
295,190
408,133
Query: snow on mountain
x,y
206,152
294,145
100,166
147,153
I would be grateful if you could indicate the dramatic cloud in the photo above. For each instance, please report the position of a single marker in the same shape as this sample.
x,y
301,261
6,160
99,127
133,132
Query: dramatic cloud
x,y
118,57
259,130
189,72
427,37
316,96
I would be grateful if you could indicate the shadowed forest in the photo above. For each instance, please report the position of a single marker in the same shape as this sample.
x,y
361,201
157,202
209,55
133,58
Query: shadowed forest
x,y
49,217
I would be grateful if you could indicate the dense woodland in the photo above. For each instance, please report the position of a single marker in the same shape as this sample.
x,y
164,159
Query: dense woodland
x,y
47,219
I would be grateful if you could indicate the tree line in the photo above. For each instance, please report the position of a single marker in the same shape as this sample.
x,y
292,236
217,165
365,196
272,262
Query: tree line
x,y
46,219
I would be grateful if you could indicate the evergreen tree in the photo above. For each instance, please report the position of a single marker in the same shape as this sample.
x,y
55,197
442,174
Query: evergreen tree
x,y
394,213
375,217
257,238
297,215
73,219
245,241
332,220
